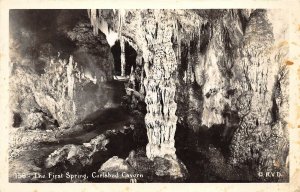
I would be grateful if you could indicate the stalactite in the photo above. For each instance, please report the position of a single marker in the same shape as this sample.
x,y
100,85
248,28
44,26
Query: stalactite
x,y
100,23
139,62
189,67
121,15
89,13
94,23
103,26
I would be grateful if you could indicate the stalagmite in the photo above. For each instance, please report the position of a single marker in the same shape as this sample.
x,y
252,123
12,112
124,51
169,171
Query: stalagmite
x,y
123,64
160,88
70,77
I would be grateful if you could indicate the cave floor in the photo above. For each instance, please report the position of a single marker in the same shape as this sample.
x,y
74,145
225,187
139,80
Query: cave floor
x,y
27,155
28,149
27,158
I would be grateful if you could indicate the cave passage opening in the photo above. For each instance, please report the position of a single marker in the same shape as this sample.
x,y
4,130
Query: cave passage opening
x,y
130,58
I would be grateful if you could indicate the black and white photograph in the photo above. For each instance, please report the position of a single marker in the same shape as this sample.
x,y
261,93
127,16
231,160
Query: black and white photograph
x,y
150,95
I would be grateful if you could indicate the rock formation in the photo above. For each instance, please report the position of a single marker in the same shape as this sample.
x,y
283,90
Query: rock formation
x,y
97,151
221,70
207,90
67,82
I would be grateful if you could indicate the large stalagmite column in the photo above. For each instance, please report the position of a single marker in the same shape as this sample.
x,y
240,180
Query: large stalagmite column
x,y
153,35
160,86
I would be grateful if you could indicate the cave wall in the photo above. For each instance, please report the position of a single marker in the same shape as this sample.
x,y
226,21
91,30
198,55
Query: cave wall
x,y
238,89
231,77
59,68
